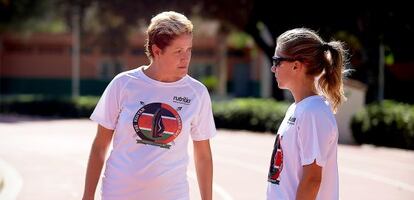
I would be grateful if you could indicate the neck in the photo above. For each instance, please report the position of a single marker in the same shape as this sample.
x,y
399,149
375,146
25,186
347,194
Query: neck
x,y
303,89
154,71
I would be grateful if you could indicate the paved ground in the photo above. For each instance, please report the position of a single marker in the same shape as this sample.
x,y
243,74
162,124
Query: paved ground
x,y
46,159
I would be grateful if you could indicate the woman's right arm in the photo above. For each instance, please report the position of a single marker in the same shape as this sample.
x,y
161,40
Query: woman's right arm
x,y
96,160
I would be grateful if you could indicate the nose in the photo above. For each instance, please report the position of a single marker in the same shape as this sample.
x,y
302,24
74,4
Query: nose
x,y
186,56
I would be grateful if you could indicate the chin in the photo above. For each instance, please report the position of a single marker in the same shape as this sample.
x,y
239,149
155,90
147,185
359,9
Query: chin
x,y
182,73
183,70
280,86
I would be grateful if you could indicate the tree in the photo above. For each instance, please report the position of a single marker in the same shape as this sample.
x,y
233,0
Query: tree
x,y
111,22
25,16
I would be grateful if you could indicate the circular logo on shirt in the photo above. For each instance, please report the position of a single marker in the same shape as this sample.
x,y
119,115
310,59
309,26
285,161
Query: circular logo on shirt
x,y
157,124
276,164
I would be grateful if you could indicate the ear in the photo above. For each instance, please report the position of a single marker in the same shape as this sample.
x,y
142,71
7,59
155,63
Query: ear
x,y
155,50
297,66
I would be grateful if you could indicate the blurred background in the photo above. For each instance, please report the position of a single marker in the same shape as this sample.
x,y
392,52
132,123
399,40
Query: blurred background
x,y
57,57
62,47
62,53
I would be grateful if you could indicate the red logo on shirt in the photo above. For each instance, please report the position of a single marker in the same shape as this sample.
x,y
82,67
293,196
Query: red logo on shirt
x,y
157,124
276,164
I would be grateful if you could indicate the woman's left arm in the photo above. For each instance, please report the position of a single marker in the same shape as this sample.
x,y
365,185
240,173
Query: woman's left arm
x,y
310,182
204,167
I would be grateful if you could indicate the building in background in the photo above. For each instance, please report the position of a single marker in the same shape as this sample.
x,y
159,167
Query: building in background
x,y
41,64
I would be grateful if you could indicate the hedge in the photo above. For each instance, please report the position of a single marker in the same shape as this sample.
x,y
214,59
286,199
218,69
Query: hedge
x,y
262,115
62,107
387,123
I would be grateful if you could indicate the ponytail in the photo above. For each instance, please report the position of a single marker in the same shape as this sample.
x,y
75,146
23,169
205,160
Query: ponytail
x,y
330,84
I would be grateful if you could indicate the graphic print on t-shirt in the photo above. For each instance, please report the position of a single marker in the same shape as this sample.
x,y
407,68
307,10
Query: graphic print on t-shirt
x,y
276,163
157,124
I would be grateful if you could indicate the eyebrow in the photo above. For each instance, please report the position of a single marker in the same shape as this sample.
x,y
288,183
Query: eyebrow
x,y
180,48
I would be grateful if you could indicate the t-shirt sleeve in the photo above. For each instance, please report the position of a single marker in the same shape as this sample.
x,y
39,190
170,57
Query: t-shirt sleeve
x,y
316,138
108,108
203,127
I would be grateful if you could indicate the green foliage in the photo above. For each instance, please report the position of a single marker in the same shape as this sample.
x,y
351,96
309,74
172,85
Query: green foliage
x,y
249,114
21,15
48,106
388,123
211,82
239,40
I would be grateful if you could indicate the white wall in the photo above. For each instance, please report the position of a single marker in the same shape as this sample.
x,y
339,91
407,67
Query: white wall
x,y
355,92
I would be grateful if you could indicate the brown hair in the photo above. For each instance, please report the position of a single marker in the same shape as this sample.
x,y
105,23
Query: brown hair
x,y
323,60
164,28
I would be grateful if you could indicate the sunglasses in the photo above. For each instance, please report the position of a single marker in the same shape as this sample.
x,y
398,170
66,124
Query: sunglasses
x,y
277,60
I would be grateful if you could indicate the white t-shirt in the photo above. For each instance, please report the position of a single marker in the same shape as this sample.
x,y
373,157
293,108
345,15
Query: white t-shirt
x,y
152,123
308,132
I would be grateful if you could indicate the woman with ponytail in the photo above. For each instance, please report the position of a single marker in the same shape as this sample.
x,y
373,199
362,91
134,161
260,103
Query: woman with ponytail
x,y
304,160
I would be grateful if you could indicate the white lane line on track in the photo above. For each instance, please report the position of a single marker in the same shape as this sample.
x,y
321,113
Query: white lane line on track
x,y
388,181
216,187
